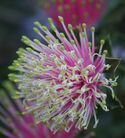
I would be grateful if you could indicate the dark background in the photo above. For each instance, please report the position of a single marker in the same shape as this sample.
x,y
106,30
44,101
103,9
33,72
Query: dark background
x,y
16,19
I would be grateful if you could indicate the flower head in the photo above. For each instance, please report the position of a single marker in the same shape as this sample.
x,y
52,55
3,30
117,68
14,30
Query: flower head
x,y
76,11
16,125
61,81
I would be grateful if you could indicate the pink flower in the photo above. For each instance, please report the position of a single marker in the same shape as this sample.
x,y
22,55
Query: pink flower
x,y
62,81
15,125
76,11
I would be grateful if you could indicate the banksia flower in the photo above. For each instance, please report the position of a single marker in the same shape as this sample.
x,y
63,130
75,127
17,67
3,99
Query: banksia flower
x,y
76,11
16,125
62,80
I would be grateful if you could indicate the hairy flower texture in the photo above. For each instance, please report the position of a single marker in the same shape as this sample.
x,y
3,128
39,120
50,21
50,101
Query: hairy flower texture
x,y
15,125
61,82
76,11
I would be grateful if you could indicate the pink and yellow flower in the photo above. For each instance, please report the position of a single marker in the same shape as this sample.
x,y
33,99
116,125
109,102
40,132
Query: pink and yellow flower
x,y
76,11
62,80
16,125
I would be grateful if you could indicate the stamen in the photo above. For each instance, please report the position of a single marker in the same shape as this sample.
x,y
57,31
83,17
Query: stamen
x,y
102,42
73,35
93,39
65,29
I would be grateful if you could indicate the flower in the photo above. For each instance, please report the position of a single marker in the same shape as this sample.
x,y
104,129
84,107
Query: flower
x,y
16,125
62,81
76,11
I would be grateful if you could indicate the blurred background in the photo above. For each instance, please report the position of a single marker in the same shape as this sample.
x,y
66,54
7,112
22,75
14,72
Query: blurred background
x,y
16,19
